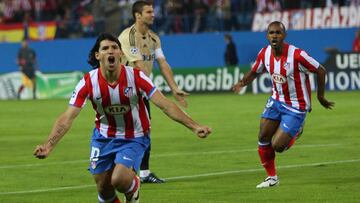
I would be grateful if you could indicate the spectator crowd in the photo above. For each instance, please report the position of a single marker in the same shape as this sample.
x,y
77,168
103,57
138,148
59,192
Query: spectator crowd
x,y
87,18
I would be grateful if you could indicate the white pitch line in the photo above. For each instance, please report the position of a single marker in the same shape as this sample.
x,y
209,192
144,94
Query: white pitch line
x,y
47,190
42,164
189,176
261,169
159,155
235,151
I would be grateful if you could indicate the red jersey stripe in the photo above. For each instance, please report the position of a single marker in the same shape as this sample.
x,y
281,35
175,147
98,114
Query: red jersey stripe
x,y
128,118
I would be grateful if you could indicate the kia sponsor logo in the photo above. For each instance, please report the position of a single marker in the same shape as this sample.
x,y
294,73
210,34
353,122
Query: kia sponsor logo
x,y
117,109
278,78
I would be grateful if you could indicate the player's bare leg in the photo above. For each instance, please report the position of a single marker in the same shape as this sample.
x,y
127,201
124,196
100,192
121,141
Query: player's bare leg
x,y
281,140
33,80
126,181
121,179
296,137
21,88
106,192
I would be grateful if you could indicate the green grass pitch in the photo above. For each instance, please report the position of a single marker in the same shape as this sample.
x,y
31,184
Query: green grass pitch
x,y
323,166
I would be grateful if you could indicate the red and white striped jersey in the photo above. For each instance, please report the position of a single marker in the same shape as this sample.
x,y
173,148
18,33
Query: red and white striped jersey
x,y
289,74
120,110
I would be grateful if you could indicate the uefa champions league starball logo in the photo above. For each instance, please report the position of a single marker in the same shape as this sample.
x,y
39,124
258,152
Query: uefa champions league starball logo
x,y
134,50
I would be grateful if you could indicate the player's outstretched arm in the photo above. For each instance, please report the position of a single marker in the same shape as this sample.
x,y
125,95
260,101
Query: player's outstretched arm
x,y
175,113
61,126
140,65
247,79
166,71
321,74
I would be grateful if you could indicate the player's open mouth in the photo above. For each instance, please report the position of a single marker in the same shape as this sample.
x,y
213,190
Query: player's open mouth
x,y
111,59
274,42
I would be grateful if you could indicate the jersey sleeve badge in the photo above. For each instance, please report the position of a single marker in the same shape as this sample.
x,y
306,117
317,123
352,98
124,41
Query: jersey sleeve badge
x,y
134,50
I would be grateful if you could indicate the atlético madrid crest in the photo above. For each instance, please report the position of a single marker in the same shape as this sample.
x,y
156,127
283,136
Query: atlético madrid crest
x,y
128,92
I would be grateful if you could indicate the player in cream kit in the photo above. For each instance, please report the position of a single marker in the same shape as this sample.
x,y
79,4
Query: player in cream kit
x,y
141,46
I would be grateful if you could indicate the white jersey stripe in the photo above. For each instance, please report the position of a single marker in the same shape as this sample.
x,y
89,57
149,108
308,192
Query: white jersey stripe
x,y
279,87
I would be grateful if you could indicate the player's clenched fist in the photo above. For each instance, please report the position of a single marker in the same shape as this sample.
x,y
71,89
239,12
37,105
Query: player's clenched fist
x,y
41,152
203,131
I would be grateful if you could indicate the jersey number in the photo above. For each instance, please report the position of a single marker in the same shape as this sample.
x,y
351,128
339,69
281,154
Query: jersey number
x,y
95,152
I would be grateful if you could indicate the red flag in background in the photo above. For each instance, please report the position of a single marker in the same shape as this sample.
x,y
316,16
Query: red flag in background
x,y
11,32
37,31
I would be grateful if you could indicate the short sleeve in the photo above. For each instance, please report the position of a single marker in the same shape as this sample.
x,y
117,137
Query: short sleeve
x,y
80,94
144,84
129,47
258,66
306,61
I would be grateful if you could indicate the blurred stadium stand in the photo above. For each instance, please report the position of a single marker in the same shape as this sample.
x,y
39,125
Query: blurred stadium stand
x,y
201,23
87,18
63,31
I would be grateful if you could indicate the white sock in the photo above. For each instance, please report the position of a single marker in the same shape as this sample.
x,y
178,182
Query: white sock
x,y
133,183
274,177
144,173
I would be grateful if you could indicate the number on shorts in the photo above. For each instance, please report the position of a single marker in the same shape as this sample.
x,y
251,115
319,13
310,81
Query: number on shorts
x,y
95,152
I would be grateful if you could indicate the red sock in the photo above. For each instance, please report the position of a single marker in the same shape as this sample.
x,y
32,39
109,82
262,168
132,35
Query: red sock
x,y
21,88
267,157
116,200
291,143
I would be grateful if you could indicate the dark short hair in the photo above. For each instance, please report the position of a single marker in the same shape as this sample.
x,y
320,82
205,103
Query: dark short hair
x,y
278,23
228,36
103,36
138,7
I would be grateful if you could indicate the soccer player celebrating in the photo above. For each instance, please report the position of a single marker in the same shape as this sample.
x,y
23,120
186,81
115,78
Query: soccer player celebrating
x,y
122,125
285,111
141,46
